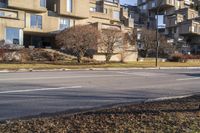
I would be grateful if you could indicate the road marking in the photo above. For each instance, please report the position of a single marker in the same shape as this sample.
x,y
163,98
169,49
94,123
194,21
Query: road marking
x,y
187,79
144,74
41,89
39,78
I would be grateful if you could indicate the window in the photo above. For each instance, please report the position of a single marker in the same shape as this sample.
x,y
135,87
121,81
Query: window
x,y
14,35
2,14
116,15
113,1
69,5
153,4
64,23
3,3
36,21
98,9
43,3
92,9
8,14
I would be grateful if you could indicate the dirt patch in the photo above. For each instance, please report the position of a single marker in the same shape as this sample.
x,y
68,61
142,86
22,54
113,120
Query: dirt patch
x,y
180,115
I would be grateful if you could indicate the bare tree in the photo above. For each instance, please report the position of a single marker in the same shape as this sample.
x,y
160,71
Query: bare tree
x,y
1,49
148,39
4,48
131,37
79,39
111,39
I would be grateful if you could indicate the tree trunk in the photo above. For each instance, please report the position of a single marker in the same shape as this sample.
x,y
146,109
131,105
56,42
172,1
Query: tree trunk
x,y
79,57
108,57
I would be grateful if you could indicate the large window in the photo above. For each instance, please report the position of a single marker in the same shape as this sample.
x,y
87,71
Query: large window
x,y
36,21
64,23
116,15
43,3
69,5
14,35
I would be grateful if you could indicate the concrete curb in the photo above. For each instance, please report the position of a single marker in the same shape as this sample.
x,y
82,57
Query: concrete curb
x,y
98,69
167,98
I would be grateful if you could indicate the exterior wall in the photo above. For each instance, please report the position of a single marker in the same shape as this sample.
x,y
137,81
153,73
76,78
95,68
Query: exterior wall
x,y
128,57
33,5
79,9
51,26
126,53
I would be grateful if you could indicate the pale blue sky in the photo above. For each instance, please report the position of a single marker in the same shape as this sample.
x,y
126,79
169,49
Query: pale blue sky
x,y
131,2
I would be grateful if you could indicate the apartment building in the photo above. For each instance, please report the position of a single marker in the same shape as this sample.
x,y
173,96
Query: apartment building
x,y
181,19
34,23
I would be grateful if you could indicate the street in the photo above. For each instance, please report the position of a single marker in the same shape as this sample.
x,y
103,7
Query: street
x,y
33,93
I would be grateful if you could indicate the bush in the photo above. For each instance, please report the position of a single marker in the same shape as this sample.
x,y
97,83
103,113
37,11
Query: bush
x,y
9,52
183,57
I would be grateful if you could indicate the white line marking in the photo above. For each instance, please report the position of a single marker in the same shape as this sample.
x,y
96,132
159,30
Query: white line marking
x,y
41,89
39,78
126,73
143,74
186,79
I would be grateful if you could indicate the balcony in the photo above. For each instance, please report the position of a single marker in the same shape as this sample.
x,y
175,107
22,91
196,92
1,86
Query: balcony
x,y
171,22
162,5
190,27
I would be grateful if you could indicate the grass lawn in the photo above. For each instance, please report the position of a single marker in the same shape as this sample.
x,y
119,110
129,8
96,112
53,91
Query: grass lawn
x,y
110,65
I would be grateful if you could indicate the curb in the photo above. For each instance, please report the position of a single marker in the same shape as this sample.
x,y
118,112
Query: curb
x,y
99,69
167,98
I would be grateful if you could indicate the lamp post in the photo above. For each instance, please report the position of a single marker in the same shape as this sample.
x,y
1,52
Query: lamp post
x,y
159,2
157,43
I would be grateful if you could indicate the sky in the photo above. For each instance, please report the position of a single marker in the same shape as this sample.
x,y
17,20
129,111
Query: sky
x,y
131,2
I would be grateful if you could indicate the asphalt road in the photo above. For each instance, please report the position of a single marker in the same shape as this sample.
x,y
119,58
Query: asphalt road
x,y
33,93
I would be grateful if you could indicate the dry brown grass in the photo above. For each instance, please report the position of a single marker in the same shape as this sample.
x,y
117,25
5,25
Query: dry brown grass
x,y
110,65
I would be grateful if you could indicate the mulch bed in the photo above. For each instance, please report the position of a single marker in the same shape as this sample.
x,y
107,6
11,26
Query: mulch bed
x,y
180,115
